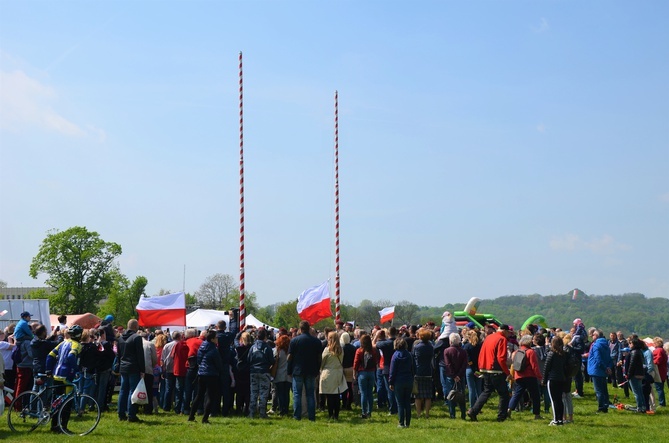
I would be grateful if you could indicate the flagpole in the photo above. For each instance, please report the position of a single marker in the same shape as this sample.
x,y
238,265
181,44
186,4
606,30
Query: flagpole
x,y
242,308
336,149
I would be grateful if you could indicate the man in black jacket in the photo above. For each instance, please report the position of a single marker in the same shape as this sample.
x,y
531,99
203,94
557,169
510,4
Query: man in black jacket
x,y
131,367
225,340
386,347
304,364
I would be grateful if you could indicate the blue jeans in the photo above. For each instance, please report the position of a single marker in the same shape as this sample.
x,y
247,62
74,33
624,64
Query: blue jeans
x,y
86,386
450,384
637,389
381,390
402,393
392,401
659,387
125,407
366,387
307,383
445,387
531,385
601,391
474,385
179,399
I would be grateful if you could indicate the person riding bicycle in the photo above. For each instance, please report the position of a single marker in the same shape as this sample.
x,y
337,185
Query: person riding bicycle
x,y
63,363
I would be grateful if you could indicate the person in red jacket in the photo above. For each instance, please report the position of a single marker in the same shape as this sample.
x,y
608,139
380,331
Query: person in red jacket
x,y
526,379
180,357
660,360
492,363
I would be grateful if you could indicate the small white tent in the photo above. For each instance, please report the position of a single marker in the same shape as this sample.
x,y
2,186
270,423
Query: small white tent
x,y
203,318
251,320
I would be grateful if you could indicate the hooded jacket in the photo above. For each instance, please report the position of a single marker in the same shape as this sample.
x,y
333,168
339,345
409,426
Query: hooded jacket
x,y
401,368
209,360
260,357
131,353
599,358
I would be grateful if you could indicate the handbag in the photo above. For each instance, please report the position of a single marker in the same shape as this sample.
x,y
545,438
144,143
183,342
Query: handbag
x,y
414,390
455,394
139,395
274,367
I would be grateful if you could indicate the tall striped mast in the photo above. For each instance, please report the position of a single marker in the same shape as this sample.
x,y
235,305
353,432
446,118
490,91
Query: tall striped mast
x,y
242,308
336,153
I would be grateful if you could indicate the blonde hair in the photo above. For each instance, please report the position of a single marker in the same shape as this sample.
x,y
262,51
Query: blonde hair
x,y
473,337
333,344
246,338
160,340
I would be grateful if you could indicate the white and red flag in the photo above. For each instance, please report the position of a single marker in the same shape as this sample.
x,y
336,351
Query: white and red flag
x,y
387,314
162,310
313,304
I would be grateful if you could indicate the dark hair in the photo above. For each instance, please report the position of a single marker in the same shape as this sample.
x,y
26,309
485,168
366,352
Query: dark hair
x,y
40,331
366,343
557,345
211,335
221,325
304,326
262,334
62,318
540,339
392,331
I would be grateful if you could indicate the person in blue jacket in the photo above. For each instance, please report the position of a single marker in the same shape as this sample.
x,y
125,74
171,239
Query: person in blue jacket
x,y
599,368
209,369
400,380
63,363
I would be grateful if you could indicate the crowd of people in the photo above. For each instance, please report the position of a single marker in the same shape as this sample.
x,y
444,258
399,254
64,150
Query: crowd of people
x,y
215,372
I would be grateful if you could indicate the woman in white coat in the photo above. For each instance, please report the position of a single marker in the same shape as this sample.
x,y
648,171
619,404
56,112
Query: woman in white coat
x,y
332,382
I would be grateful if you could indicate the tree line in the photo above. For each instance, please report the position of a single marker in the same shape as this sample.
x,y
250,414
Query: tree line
x,y
83,271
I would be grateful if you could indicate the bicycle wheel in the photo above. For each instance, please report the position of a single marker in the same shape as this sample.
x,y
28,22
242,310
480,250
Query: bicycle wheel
x,y
26,412
79,415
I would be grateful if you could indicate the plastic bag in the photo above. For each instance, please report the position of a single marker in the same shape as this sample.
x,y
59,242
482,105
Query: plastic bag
x,y
139,396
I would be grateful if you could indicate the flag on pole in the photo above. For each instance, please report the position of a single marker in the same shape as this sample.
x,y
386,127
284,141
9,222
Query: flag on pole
x,y
162,310
387,314
3,312
313,304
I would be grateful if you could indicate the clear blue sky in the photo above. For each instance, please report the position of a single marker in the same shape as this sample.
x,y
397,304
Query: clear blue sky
x,y
486,148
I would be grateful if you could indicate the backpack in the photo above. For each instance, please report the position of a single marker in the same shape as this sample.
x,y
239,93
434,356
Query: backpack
x,y
519,360
573,362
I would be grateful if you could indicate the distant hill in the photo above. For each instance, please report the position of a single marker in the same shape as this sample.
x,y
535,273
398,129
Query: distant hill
x,y
627,313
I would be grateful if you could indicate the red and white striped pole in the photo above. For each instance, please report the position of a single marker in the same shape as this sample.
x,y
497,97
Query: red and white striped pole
x,y
242,308
336,147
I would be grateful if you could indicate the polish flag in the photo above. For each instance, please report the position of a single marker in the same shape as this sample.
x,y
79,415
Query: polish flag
x,y
162,310
387,314
313,304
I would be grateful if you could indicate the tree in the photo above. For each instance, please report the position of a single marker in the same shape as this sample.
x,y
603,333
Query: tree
x,y
3,284
79,265
221,291
215,291
123,298
286,315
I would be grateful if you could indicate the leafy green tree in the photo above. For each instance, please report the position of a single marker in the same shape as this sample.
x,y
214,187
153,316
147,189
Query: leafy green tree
x,y
221,291
123,298
79,266
286,315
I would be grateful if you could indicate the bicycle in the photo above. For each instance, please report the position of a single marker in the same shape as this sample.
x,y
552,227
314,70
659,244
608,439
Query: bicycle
x,y
31,409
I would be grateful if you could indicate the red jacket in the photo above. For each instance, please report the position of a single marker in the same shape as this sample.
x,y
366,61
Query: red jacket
x,y
180,356
660,360
493,353
532,368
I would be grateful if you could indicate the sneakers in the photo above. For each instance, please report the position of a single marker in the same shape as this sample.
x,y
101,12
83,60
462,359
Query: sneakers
x,y
575,395
555,423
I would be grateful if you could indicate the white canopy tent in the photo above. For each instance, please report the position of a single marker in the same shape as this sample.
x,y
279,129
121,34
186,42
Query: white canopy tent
x,y
203,318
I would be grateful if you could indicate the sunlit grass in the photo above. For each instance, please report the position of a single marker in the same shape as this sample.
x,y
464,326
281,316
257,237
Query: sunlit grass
x,y
167,427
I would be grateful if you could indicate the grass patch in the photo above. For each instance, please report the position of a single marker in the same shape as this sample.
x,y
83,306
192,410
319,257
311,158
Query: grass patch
x,y
167,427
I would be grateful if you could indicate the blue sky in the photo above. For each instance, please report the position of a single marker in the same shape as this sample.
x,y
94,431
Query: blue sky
x,y
486,148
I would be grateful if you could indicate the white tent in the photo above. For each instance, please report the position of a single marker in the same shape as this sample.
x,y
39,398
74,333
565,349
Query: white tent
x,y
251,320
203,318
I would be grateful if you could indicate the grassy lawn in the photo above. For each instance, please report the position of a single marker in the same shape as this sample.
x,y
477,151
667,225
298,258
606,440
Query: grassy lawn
x,y
166,427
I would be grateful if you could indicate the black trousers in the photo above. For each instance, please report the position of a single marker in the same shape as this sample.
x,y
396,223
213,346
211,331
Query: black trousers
x,y
492,383
207,391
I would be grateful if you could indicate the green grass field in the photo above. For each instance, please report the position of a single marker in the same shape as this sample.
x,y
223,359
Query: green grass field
x,y
167,427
